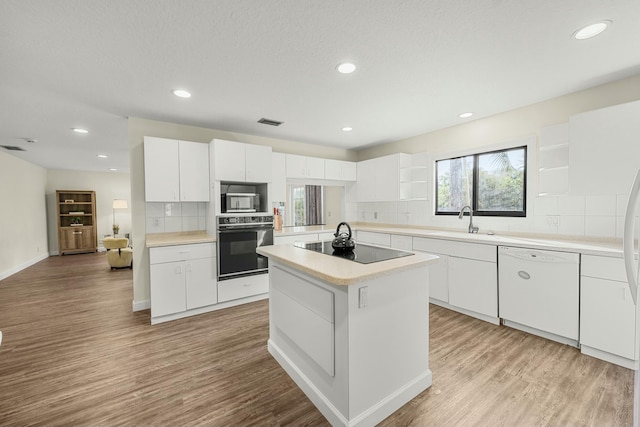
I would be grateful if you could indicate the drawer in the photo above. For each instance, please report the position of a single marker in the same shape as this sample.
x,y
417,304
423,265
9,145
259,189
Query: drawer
x,y
326,236
603,268
475,251
380,239
243,287
404,243
181,252
282,240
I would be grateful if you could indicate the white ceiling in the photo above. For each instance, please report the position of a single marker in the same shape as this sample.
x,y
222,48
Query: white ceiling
x,y
92,63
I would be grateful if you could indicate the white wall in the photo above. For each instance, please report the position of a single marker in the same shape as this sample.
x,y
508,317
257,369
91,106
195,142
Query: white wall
x,y
333,205
23,220
593,216
107,185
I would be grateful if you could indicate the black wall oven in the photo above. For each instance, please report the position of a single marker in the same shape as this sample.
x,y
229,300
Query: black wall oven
x,y
238,238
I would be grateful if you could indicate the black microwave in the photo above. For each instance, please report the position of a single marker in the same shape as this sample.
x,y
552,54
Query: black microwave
x,y
240,202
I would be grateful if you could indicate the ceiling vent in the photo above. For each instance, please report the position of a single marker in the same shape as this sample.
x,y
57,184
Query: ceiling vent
x,y
270,122
12,148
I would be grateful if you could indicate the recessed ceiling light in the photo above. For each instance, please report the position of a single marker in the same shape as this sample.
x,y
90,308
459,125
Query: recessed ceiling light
x,y
102,156
591,30
113,169
346,68
79,130
465,115
181,93
347,129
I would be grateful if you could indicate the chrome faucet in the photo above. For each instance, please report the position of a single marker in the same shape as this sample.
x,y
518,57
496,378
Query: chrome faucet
x,y
472,229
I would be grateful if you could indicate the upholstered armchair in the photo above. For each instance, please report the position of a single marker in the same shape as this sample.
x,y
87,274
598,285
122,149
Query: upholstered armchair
x,y
119,254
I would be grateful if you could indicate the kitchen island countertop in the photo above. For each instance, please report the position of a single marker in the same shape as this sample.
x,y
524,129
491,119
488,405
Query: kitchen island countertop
x,y
339,271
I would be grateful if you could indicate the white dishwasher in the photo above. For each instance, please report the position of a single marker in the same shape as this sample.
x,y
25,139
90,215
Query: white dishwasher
x,y
538,292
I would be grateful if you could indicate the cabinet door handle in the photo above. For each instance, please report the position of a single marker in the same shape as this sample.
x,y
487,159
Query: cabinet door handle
x,y
179,269
77,232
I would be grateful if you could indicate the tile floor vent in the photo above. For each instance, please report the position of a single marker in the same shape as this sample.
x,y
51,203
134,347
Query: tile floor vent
x,y
270,122
12,148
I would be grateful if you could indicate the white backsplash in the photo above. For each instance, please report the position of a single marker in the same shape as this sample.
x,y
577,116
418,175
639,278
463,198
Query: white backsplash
x,y
580,216
176,217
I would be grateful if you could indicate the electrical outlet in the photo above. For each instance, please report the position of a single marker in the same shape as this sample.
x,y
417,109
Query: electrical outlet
x,y
375,215
362,297
553,220
156,222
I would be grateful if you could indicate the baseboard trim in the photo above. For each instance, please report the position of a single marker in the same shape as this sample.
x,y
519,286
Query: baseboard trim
x,y
610,357
369,417
490,319
208,308
140,305
319,400
22,266
544,334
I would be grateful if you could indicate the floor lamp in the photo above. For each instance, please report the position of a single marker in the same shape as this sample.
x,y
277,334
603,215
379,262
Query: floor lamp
x,y
117,204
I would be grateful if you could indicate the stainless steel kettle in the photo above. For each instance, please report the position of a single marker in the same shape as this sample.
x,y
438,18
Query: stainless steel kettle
x,y
343,241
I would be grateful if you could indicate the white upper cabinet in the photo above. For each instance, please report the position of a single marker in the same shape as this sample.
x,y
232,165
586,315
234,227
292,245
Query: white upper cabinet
x,y
229,162
194,171
278,186
339,170
378,179
604,150
240,162
258,163
175,170
161,170
304,167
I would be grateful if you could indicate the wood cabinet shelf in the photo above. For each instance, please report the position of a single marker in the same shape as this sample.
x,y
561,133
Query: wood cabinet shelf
x,y
76,221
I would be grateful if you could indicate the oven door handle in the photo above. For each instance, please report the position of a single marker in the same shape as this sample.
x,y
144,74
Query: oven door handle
x,y
245,228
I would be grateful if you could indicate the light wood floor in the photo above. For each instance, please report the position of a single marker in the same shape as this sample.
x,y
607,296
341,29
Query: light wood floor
x,y
74,354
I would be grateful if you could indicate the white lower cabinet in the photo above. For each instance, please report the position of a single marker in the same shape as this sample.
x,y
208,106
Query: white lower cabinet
x,y
465,278
201,286
295,238
608,322
243,287
168,288
439,279
183,277
473,285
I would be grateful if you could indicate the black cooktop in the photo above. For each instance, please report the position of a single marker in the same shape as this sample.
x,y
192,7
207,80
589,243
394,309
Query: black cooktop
x,y
363,254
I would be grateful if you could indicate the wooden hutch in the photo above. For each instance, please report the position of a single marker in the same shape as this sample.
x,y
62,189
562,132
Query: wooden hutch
x,y
76,221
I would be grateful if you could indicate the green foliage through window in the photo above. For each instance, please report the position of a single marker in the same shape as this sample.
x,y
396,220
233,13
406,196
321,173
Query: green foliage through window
x,y
492,183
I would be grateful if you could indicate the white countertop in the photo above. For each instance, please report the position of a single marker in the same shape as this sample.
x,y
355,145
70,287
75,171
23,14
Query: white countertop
x,y
154,240
339,271
603,247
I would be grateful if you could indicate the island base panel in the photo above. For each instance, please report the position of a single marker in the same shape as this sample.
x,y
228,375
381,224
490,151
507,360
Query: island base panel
x,y
380,346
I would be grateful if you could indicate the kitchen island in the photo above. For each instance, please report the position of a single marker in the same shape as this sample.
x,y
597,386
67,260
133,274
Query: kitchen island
x,y
354,337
